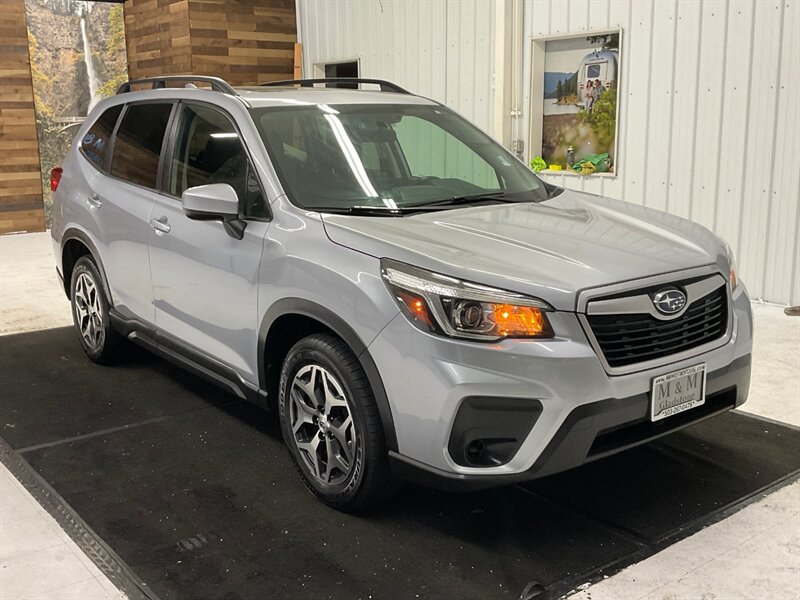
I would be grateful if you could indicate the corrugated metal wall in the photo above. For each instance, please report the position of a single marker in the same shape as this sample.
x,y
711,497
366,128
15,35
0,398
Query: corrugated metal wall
x,y
710,119
437,48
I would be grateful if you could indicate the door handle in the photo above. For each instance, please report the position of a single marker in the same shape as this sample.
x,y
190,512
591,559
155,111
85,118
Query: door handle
x,y
160,225
94,201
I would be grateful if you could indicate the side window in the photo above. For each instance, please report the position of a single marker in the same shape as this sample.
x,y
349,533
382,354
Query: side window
x,y
432,152
96,140
137,146
208,150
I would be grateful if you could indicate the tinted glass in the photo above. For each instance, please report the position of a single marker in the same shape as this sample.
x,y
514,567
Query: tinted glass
x,y
337,157
593,71
433,152
95,142
138,143
208,150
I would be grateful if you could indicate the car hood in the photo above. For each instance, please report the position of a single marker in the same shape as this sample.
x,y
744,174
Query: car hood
x,y
550,250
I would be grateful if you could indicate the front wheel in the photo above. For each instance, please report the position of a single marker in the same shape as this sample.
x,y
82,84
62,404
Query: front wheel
x,y
331,424
99,340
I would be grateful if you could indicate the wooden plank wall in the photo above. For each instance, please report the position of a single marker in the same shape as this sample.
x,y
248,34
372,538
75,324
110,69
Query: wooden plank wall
x,y
157,37
21,203
245,42
242,41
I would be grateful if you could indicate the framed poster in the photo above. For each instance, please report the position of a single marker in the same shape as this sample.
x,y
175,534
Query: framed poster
x,y
574,103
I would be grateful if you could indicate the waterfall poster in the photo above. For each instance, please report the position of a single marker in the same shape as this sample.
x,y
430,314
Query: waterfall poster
x,y
77,51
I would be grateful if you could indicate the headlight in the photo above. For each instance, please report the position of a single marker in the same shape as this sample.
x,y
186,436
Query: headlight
x,y
731,263
449,306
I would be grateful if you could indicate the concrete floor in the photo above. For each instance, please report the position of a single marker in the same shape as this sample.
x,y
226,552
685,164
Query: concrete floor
x,y
38,560
753,554
30,296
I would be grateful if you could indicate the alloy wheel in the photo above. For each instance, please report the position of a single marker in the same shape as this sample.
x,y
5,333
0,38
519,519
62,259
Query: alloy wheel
x,y
89,311
322,425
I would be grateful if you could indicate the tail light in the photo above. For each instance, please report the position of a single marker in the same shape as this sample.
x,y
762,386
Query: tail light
x,y
55,178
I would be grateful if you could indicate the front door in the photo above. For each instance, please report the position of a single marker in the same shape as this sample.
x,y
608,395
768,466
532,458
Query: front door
x,y
204,280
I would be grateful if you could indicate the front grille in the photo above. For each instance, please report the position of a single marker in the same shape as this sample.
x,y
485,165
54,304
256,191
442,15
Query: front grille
x,y
627,339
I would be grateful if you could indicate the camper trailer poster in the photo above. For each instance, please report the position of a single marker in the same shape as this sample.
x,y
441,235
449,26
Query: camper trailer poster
x,y
580,100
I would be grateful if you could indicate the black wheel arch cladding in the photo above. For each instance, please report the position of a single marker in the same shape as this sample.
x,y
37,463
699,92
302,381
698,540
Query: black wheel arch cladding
x,y
333,322
77,235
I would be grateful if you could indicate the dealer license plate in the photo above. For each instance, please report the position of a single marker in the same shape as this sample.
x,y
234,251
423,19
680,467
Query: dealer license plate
x,y
678,391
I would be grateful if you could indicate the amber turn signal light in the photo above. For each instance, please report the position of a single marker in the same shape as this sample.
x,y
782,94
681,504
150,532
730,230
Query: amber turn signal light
x,y
416,307
519,321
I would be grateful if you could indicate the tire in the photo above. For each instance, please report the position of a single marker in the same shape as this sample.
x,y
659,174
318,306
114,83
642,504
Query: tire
x,y
101,343
344,465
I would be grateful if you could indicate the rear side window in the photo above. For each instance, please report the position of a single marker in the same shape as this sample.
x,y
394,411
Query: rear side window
x,y
137,147
96,140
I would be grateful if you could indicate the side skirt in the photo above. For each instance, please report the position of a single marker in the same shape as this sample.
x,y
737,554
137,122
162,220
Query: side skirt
x,y
187,357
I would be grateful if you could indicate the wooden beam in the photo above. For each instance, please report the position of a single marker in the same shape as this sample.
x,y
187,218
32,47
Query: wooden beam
x,y
298,61
245,42
21,199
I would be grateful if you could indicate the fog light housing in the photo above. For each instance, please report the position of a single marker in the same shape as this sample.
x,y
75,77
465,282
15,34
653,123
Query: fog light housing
x,y
475,451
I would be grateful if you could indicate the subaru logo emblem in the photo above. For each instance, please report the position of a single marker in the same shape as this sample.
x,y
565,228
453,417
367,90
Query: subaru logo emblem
x,y
669,301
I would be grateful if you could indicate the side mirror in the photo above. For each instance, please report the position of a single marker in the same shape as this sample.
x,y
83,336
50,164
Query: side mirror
x,y
214,202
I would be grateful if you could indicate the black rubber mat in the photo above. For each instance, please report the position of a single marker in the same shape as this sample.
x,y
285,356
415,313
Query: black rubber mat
x,y
655,491
194,490
52,392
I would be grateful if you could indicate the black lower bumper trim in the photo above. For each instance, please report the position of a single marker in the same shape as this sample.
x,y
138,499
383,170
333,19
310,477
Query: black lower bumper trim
x,y
595,430
488,431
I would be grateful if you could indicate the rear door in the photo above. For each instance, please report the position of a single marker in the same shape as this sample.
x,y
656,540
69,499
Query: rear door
x,y
121,200
205,280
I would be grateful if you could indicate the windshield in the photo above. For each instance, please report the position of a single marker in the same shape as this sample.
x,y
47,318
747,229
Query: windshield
x,y
341,157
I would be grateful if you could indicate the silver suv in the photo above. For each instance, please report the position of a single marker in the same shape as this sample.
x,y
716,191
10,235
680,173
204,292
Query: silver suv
x,y
414,301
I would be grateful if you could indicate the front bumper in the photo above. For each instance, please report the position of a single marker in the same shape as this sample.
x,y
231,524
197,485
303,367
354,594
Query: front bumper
x,y
577,411
595,430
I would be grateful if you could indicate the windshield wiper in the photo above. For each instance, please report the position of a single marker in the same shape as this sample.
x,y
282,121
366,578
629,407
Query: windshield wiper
x,y
552,190
379,211
459,200
390,211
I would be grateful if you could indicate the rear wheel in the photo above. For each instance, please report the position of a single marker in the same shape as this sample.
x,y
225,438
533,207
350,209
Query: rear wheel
x,y
99,340
331,424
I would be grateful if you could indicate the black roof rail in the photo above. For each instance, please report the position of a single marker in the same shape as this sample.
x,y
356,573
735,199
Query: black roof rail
x,y
217,83
385,86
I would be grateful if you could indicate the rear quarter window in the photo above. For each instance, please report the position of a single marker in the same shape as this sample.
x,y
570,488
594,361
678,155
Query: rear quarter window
x,y
96,141
137,147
